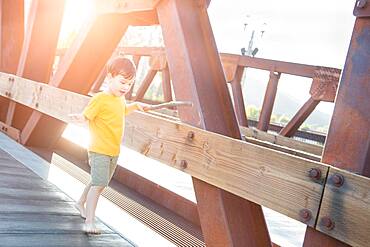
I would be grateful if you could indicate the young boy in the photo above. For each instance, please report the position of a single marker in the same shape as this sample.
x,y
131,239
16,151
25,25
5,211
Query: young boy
x,y
105,114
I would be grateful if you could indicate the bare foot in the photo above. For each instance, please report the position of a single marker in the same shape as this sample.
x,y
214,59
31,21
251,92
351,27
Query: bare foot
x,y
91,229
81,209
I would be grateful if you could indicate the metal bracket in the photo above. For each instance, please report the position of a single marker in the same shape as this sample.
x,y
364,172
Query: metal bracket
x,y
362,8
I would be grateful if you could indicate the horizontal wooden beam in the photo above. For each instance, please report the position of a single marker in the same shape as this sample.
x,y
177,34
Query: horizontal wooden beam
x,y
282,141
270,178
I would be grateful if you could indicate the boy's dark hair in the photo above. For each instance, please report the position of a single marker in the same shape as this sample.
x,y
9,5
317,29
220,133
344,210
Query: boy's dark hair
x,y
123,66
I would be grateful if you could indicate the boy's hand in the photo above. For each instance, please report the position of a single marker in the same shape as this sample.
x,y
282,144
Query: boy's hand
x,y
143,107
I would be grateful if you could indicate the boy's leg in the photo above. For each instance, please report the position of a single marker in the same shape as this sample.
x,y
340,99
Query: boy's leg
x,y
91,203
99,180
80,204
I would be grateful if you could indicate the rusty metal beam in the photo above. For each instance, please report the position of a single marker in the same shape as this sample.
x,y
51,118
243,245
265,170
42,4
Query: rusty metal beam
x,y
268,102
236,88
11,40
198,76
136,60
291,128
99,81
38,51
145,84
347,145
166,85
80,67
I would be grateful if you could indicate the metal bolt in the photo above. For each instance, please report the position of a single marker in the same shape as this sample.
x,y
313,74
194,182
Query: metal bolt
x,y
327,223
191,135
361,3
37,105
305,215
314,174
184,164
337,180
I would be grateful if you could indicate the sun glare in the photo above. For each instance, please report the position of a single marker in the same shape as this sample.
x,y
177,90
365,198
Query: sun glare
x,y
76,14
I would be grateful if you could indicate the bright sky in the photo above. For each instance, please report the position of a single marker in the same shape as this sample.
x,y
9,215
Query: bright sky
x,y
312,32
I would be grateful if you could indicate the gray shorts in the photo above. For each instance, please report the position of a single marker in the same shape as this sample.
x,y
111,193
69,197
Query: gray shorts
x,y
102,168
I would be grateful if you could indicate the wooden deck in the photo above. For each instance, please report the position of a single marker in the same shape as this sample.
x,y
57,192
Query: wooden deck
x,y
34,212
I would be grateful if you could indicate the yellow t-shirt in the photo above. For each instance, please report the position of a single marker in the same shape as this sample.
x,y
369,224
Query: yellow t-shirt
x,y
106,115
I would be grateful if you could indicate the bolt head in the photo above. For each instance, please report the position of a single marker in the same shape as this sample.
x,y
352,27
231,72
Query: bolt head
x,y
305,215
314,173
361,3
327,223
183,164
337,180
191,135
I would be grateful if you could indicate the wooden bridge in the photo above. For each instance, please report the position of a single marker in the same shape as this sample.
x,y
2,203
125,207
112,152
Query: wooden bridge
x,y
235,168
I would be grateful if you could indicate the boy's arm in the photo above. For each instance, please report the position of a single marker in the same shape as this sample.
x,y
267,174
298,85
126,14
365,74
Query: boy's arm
x,y
136,106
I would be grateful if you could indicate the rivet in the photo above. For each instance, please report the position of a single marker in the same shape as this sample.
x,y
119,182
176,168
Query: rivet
x,y
305,215
314,174
337,180
361,3
327,223
191,135
183,164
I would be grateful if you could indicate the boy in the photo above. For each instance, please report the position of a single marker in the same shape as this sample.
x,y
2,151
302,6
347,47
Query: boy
x,y
105,114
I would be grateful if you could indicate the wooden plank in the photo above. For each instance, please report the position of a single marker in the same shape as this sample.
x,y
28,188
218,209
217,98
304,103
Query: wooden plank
x,y
267,177
42,97
270,178
348,207
282,141
282,149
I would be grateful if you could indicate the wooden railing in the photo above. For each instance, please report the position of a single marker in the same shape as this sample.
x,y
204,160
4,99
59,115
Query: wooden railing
x,y
331,200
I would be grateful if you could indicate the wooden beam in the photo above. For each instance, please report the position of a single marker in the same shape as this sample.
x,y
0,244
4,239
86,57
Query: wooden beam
x,y
286,150
270,178
347,207
282,141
